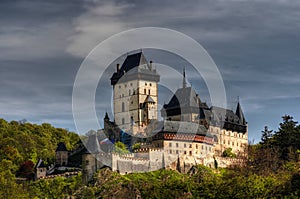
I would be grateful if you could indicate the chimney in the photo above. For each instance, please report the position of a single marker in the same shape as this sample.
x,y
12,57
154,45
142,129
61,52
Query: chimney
x,y
118,67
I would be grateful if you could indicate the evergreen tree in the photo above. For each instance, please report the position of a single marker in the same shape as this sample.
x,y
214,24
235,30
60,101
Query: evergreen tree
x,y
266,137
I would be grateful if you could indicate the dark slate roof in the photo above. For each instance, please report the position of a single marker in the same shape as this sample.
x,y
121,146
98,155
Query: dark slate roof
x,y
222,114
106,116
184,127
135,64
92,144
132,61
61,147
40,164
240,114
184,97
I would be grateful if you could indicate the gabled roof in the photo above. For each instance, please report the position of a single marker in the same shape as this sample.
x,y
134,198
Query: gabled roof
x,y
184,97
135,64
61,147
40,164
132,61
222,114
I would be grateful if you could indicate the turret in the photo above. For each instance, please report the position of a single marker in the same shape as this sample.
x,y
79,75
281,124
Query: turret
x,y
240,114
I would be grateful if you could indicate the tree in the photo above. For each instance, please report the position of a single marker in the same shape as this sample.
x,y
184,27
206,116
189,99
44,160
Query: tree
x,y
136,146
228,153
120,148
288,139
266,137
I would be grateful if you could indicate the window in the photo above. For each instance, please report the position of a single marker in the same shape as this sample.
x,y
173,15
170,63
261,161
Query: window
x,y
130,84
184,152
176,151
190,152
190,145
125,85
120,86
170,144
149,92
129,92
123,120
184,145
150,84
170,151
145,83
176,144
123,107
196,146
145,91
202,147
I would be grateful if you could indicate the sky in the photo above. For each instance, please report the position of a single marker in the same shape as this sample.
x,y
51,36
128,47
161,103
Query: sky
x,y
255,45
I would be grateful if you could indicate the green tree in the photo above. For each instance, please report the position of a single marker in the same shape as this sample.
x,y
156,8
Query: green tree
x,y
266,137
228,153
120,148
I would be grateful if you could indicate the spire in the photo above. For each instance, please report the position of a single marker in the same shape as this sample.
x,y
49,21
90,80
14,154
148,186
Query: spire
x,y
106,116
240,114
184,80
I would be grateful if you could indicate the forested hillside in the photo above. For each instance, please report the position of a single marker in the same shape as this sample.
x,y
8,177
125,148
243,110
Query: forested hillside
x,y
23,143
272,169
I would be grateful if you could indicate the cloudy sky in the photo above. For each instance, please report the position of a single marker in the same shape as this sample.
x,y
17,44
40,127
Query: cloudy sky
x,y
255,44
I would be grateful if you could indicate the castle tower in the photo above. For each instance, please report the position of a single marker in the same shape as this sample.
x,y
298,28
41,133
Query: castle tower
x,y
135,92
40,170
61,155
90,164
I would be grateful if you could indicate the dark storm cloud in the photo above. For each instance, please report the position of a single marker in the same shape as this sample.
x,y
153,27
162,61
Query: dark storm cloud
x,y
255,44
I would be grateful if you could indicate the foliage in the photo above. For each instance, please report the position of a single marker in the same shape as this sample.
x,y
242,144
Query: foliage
x,y
272,169
59,187
120,148
136,146
228,153
8,186
23,141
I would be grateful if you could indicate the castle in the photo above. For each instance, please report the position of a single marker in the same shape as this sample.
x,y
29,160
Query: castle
x,y
190,133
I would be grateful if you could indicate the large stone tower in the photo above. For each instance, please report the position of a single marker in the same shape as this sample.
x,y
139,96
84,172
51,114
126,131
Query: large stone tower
x,y
135,93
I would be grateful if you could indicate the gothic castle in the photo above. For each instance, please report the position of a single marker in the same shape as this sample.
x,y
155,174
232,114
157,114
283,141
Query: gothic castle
x,y
190,133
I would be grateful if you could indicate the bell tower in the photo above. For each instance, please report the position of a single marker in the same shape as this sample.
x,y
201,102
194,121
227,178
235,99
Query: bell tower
x,y
135,92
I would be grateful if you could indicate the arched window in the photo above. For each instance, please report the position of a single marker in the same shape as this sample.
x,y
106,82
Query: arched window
x,y
145,91
123,107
